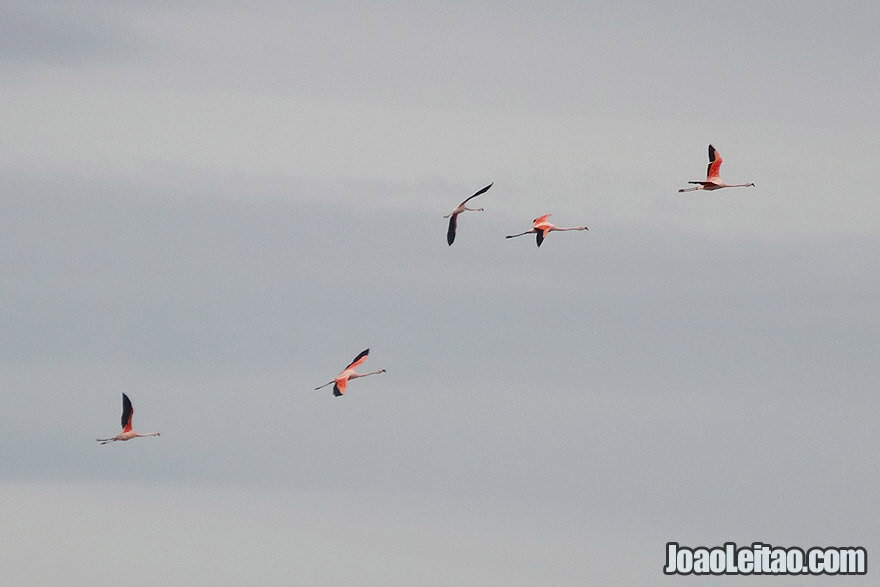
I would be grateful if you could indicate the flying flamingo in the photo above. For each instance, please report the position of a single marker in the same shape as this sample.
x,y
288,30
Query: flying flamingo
x,y
127,433
542,228
341,380
453,216
713,177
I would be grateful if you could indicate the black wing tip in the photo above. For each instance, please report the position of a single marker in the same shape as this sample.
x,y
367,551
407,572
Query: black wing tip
x,y
481,191
127,410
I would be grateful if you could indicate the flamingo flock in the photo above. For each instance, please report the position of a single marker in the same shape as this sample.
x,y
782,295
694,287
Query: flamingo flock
x,y
541,227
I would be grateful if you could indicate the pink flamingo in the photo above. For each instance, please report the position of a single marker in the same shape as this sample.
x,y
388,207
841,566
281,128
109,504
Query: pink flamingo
x,y
341,380
542,228
713,177
127,433
453,216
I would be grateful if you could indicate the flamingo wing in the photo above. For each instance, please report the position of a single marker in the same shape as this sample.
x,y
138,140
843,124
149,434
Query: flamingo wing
x,y
339,387
127,413
357,361
714,167
540,219
450,234
482,191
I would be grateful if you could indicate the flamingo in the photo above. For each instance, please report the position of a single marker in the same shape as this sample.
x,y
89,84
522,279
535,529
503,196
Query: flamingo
x,y
127,433
453,216
713,177
341,380
542,228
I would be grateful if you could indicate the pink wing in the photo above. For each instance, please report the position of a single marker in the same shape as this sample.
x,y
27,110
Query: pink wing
x,y
714,168
540,219
339,386
358,359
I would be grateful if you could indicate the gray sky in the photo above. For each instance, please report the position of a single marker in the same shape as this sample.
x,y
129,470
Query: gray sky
x,y
214,208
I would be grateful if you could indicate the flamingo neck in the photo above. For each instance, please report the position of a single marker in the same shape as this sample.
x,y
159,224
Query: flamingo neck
x,y
356,375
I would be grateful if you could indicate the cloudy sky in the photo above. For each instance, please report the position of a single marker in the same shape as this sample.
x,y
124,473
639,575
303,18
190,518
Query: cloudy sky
x,y
214,208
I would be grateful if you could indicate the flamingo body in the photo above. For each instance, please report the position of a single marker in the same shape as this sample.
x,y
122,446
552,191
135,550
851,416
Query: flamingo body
x,y
713,176
340,382
127,432
453,216
541,227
